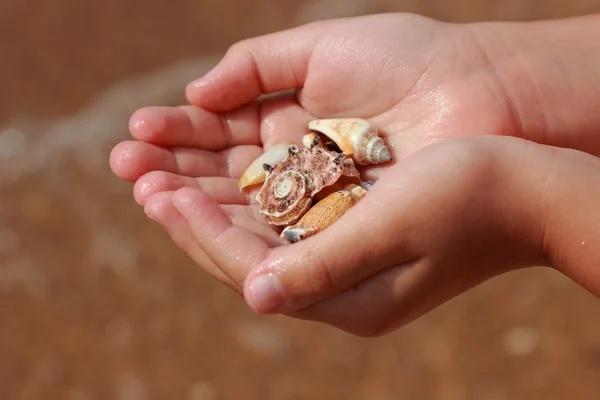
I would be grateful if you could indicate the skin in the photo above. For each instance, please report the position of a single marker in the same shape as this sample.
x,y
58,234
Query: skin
x,y
492,127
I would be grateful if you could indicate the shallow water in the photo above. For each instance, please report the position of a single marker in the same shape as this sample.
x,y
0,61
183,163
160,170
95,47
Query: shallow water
x,y
95,301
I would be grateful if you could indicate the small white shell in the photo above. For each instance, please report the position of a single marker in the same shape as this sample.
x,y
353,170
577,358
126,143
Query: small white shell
x,y
255,173
354,136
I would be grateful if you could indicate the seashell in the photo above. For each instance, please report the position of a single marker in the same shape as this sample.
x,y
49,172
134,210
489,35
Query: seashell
x,y
354,136
324,213
308,138
326,142
290,186
255,173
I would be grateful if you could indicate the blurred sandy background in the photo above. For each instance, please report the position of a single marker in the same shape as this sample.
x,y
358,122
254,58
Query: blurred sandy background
x,y
95,301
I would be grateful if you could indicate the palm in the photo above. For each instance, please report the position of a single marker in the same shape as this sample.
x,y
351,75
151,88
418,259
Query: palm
x,y
415,93
415,78
404,76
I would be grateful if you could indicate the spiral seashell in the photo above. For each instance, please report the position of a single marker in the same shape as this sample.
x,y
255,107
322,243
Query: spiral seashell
x,y
354,136
255,173
291,185
289,199
324,213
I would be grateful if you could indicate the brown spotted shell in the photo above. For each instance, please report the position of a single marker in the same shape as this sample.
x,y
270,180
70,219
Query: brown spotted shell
x,y
290,186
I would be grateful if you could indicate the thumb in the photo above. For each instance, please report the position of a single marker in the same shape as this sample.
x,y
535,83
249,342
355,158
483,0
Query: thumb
x,y
261,65
340,256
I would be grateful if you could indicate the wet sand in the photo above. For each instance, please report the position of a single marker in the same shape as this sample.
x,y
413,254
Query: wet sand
x,y
97,303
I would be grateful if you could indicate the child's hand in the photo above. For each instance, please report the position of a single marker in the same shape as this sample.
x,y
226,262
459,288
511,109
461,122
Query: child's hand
x,y
419,81
436,224
400,71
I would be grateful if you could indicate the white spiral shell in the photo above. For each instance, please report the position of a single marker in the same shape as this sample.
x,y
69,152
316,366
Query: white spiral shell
x,y
354,136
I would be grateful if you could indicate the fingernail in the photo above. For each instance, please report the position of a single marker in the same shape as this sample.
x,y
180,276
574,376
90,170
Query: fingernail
x,y
266,292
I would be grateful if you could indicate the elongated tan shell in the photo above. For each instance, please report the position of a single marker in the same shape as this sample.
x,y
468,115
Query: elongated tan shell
x,y
255,173
324,213
291,185
354,136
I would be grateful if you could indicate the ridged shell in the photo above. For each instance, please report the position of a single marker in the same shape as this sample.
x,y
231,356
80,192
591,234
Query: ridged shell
x,y
291,185
354,136
324,213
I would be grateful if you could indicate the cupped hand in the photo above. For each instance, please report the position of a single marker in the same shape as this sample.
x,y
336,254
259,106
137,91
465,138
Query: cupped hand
x,y
419,81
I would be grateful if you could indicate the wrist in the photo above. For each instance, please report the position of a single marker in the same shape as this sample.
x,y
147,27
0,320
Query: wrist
x,y
542,204
549,71
512,201
568,202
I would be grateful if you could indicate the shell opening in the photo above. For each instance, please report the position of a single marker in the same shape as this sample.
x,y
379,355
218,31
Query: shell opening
x,y
336,129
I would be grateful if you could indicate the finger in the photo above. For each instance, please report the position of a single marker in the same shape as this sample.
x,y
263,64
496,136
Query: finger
x,y
319,267
130,160
234,249
189,126
160,208
281,120
249,218
262,65
222,190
